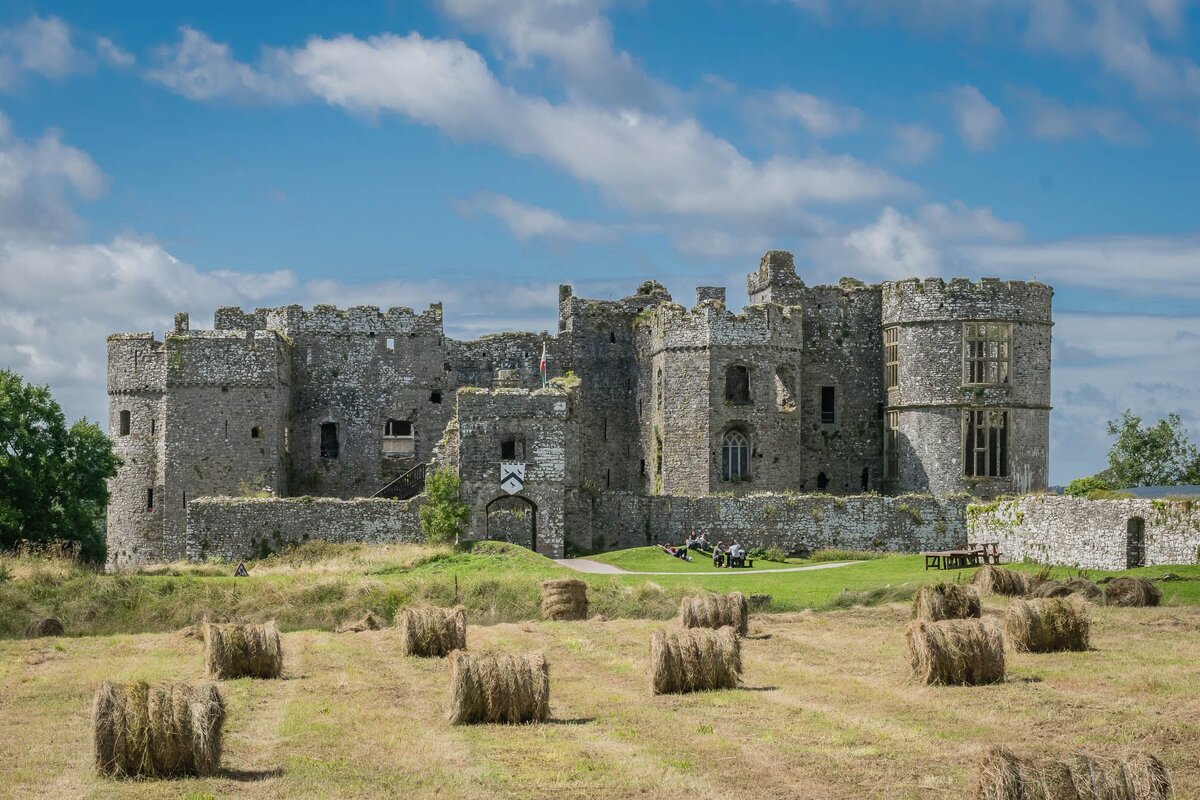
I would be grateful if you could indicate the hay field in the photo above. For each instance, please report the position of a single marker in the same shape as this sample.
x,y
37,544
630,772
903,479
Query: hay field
x,y
827,714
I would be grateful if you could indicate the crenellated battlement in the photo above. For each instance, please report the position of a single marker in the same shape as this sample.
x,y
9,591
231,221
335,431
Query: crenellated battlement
x,y
711,324
935,299
295,320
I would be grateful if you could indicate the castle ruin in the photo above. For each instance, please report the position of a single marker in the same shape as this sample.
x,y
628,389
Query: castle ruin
x,y
279,424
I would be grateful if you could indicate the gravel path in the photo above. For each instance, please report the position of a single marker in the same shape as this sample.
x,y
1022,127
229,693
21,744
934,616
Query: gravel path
x,y
599,568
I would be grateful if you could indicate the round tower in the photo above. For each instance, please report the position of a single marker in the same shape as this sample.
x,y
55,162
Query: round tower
x,y
967,376
136,383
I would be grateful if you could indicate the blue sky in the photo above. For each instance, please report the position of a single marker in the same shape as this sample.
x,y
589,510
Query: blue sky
x,y
163,157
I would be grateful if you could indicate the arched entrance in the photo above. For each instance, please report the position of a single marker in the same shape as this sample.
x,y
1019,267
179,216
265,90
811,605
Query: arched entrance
x,y
512,518
1135,543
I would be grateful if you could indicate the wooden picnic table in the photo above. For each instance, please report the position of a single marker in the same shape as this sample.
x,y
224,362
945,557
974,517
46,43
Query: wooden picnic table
x,y
971,556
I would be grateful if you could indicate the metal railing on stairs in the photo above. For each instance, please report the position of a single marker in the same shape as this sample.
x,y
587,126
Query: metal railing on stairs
x,y
410,484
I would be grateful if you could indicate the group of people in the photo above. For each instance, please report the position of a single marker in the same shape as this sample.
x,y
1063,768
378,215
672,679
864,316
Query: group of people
x,y
733,556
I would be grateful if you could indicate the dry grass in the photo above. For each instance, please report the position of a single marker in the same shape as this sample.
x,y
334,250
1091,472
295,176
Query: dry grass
x,y
498,687
828,713
946,601
1005,776
564,600
170,730
43,627
694,660
432,631
997,580
957,652
715,611
1132,592
242,651
1047,625
367,622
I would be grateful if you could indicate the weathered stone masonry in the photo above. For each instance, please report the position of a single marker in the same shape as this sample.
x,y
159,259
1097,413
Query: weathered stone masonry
x,y
667,404
1091,534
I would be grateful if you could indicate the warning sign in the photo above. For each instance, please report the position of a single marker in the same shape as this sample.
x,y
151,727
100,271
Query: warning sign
x,y
241,572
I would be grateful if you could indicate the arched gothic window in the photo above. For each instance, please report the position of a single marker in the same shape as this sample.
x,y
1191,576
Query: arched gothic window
x,y
735,457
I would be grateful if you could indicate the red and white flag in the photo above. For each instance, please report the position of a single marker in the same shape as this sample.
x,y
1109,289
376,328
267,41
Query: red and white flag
x,y
542,365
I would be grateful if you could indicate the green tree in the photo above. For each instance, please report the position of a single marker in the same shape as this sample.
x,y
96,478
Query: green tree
x,y
1082,487
443,517
53,478
1157,455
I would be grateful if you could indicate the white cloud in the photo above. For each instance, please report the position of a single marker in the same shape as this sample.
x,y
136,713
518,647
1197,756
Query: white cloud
x,y
1051,119
527,222
647,163
913,143
820,117
200,69
958,222
892,247
41,46
573,39
979,122
113,55
37,182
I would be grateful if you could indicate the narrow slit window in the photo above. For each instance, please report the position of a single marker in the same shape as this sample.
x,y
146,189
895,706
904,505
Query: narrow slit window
x,y
329,440
659,386
987,353
152,425
150,499
828,404
124,423
891,357
985,444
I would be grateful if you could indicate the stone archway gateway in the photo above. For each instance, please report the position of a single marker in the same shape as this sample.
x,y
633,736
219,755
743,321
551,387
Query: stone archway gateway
x,y
512,518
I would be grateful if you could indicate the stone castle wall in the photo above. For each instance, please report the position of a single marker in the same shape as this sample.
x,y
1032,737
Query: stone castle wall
x,y
795,523
1090,534
234,529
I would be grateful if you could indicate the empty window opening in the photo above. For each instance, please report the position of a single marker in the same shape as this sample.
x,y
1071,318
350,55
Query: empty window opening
x,y
390,344
255,432
987,351
185,500
1135,543
735,457
329,440
604,433
891,444
152,425
124,423
785,389
828,404
398,438
822,481
608,478
737,384
150,499
435,396
612,338
985,440
512,447
866,479
891,357
642,467
658,385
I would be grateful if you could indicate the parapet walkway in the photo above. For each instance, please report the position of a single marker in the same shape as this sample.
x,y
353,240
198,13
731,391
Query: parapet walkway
x,y
599,568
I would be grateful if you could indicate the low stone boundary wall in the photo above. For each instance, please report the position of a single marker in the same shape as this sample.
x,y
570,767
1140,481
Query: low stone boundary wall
x,y
235,528
1090,534
792,522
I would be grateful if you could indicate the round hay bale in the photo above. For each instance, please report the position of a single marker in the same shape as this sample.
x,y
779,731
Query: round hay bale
x,y
157,731
242,651
716,611
368,622
1076,586
564,599
498,687
43,627
1130,592
1005,776
433,632
1084,588
1047,625
946,601
961,652
989,579
694,660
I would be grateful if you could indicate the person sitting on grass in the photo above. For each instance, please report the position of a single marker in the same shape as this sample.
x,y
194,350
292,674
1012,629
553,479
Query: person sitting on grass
x,y
701,542
677,552
690,543
719,555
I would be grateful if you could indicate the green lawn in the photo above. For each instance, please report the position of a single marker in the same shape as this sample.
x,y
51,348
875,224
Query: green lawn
x,y
319,586
653,559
